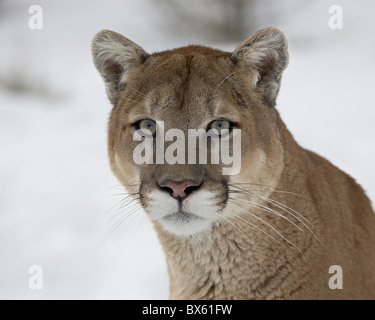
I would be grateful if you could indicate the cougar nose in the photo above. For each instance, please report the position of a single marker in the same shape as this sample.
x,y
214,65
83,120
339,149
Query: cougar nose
x,y
180,189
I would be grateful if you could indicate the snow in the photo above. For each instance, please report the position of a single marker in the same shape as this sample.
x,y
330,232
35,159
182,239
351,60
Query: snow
x,y
56,188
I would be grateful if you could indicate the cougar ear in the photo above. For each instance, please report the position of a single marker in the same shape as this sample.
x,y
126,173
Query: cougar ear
x,y
264,55
114,55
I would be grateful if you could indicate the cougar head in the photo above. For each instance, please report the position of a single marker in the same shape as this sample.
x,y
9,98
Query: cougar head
x,y
160,99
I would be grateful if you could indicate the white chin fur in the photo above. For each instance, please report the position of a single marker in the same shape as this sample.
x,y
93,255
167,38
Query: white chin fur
x,y
195,215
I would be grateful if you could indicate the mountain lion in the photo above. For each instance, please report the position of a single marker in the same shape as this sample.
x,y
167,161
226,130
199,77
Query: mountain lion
x,y
274,229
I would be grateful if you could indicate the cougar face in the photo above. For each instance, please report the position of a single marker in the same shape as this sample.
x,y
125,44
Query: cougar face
x,y
183,89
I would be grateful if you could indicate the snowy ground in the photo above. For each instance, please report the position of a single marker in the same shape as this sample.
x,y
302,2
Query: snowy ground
x,y
56,188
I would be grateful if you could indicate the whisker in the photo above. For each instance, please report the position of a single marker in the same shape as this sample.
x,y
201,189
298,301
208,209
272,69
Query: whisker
x,y
270,226
225,79
127,206
122,213
237,191
276,203
121,194
107,235
138,93
122,187
253,226
113,229
119,203
236,227
124,202
244,191
264,208
264,185
133,207
286,209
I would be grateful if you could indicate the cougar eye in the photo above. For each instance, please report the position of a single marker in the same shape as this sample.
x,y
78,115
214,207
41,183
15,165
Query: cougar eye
x,y
146,126
220,128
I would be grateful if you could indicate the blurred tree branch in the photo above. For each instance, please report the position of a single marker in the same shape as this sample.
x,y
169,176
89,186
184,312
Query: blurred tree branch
x,y
223,20
217,20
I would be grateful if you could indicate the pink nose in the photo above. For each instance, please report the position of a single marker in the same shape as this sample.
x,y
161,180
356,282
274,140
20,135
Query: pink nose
x,y
181,189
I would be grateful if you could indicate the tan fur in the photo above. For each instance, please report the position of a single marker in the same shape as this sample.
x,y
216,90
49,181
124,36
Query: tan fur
x,y
234,258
